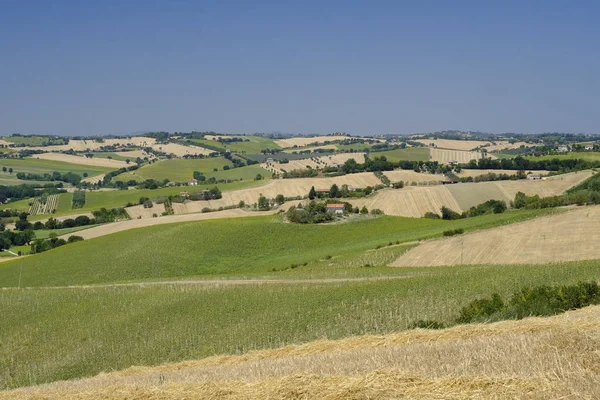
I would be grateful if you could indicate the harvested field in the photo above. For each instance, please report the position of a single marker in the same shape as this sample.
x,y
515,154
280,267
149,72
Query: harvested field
x,y
534,358
93,179
569,236
84,145
410,176
445,156
134,154
305,141
97,162
410,201
180,150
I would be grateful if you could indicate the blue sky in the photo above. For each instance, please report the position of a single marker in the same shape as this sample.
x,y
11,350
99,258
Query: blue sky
x,y
115,67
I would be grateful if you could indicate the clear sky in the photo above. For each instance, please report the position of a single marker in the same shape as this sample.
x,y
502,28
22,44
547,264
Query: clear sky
x,y
116,67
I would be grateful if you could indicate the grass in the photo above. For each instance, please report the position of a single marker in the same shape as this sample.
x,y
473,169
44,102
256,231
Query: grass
x,y
57,334
409,154
115,156
255,246
182,170
254,145
588,156
37,166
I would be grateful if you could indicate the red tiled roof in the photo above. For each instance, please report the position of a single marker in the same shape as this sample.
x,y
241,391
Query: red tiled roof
x,y
335,206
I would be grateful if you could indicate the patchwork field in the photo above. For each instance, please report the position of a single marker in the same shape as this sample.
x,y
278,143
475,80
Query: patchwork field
x,y
39,166
468,145
314,162
182,170
568,236
420,364
67,158
305,141
254,144
587,155
90,145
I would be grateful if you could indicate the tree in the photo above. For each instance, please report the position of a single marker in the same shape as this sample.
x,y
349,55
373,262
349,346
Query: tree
x,y
520,200
334,191
3,169
197,175
364,210
10,170
280,199
258,177
263,203
312,193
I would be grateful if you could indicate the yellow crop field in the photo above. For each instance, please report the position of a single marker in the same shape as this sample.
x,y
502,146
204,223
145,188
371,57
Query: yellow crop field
x,y
410,201
569,236
314,162
180,150
83,145
461,156
468,145
502,360
478,172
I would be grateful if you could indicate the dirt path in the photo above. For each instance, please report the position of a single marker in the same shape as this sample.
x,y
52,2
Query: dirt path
x,y
223,282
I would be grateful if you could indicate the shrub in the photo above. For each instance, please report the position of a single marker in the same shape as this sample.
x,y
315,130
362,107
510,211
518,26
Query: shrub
x,y
376,211
452,232
74,238
480,308
427,324
431,215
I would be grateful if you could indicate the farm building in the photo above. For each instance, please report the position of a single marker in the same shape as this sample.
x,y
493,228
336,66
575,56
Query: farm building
x,y
534,177
193,182
589,147
335,208
563,148
184,194
322,191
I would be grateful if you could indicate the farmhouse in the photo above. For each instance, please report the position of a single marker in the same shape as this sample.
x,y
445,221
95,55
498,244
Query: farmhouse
x,y
184,194
589,147
563,148
322,191
193,182
534,177
335,208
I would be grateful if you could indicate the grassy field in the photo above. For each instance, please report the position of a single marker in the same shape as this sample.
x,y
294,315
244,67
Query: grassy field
x,y
115,156
33,140
182,170
587,155
410,154
254,246
32,165
254,145
56,334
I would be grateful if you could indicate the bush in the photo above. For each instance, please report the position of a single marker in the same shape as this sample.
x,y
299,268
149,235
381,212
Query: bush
x,y
376,211
74,238
480,308
453,232
431,215
427,324
148,204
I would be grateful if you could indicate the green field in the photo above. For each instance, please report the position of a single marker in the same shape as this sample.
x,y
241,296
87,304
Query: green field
x,y
587,155
33,140
253,146
409,154
57,334
37,166
230,247
182,170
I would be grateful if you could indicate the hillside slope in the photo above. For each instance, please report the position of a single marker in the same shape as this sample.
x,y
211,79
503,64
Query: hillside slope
x,y
569,236
537,358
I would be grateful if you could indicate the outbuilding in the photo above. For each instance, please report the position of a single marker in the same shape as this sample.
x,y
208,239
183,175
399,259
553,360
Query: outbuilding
x,y
335,208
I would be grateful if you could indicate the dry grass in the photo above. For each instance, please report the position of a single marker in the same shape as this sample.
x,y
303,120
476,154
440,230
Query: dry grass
x,y
93,179
569,236
323,147
314,162
98,162
410,201
535,358
445,156
305,141
134,154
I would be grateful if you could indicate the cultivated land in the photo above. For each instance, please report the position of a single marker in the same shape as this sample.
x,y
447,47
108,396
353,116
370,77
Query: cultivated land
x,y
254,144
420,364
305,141
408,154
478,172
587,155
86,145
63,333
67,158
468,145
180,150
314,162
568,236
445,156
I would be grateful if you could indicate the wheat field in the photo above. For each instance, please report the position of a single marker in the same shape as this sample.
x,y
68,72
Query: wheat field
x,y
535,358
304,141
98,162
568,236
445,156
